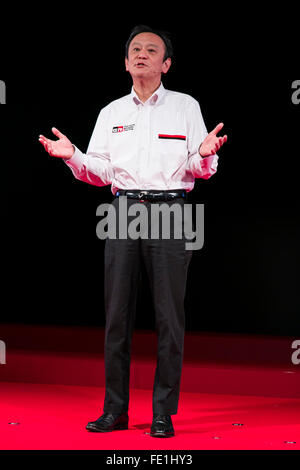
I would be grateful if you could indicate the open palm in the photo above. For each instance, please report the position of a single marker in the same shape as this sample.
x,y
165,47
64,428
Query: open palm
x,y
212,143
61,148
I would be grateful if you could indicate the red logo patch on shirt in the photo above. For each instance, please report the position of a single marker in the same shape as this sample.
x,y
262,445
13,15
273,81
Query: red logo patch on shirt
x,y
117,129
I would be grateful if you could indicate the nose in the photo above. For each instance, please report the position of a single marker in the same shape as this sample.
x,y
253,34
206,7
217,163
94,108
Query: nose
x,y
142,54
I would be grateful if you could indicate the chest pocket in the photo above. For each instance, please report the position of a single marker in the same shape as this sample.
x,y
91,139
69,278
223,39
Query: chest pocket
x,y
172,145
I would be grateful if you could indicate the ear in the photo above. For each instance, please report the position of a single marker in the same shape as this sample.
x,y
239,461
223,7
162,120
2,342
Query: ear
x,y
166,65
126,64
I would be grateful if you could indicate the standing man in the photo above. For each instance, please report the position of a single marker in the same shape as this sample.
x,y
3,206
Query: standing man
x,y
149,146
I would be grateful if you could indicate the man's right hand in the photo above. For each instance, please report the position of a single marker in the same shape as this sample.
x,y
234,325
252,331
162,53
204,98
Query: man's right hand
x,y
61,148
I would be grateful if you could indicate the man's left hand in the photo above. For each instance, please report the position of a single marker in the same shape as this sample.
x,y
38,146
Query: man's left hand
x,y
211,144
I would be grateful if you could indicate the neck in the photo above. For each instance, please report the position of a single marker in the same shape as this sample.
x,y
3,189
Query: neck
x,y
144,89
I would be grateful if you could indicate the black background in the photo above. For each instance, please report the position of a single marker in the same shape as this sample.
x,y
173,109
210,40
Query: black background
x,y
60,69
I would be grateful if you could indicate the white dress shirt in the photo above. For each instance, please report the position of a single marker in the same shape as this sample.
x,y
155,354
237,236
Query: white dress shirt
x,y
151,145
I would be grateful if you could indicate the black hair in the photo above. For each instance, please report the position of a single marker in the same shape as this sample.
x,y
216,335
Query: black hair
x,y
164,35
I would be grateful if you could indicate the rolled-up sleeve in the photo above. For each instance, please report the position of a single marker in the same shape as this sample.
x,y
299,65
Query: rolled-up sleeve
x,y
94,167
199,167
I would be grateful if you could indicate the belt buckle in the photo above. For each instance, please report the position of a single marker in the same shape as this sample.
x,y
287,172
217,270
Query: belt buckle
x,y
141,194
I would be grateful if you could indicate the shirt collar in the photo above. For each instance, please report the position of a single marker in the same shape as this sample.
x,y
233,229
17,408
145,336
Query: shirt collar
x,y
154,99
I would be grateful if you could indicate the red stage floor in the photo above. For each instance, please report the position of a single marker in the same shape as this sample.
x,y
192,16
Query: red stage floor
x,y
238,392
53,417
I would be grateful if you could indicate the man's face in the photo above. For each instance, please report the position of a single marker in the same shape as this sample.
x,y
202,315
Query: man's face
x,y
146,57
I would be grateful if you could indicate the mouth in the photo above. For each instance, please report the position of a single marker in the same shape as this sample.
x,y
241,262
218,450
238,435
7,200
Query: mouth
x,y
140,64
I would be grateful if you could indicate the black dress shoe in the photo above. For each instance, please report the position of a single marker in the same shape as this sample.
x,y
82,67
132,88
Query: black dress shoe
x,y
162,426
109,422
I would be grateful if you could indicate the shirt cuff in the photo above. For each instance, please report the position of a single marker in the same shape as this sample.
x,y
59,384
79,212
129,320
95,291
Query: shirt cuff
x,y
209,163
76,160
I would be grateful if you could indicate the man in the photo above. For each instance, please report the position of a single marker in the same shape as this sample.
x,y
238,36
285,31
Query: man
x,y
150,146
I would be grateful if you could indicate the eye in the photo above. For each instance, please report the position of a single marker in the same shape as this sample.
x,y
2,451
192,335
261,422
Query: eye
x,y
136,49
151,50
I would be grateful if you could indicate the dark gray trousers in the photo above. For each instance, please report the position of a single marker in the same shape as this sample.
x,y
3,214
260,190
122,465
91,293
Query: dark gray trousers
x,y
166,262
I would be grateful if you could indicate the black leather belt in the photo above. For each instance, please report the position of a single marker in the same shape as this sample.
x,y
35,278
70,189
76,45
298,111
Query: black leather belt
x,y
151,195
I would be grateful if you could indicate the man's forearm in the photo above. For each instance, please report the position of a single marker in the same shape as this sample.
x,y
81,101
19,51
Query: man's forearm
x,y
90,168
